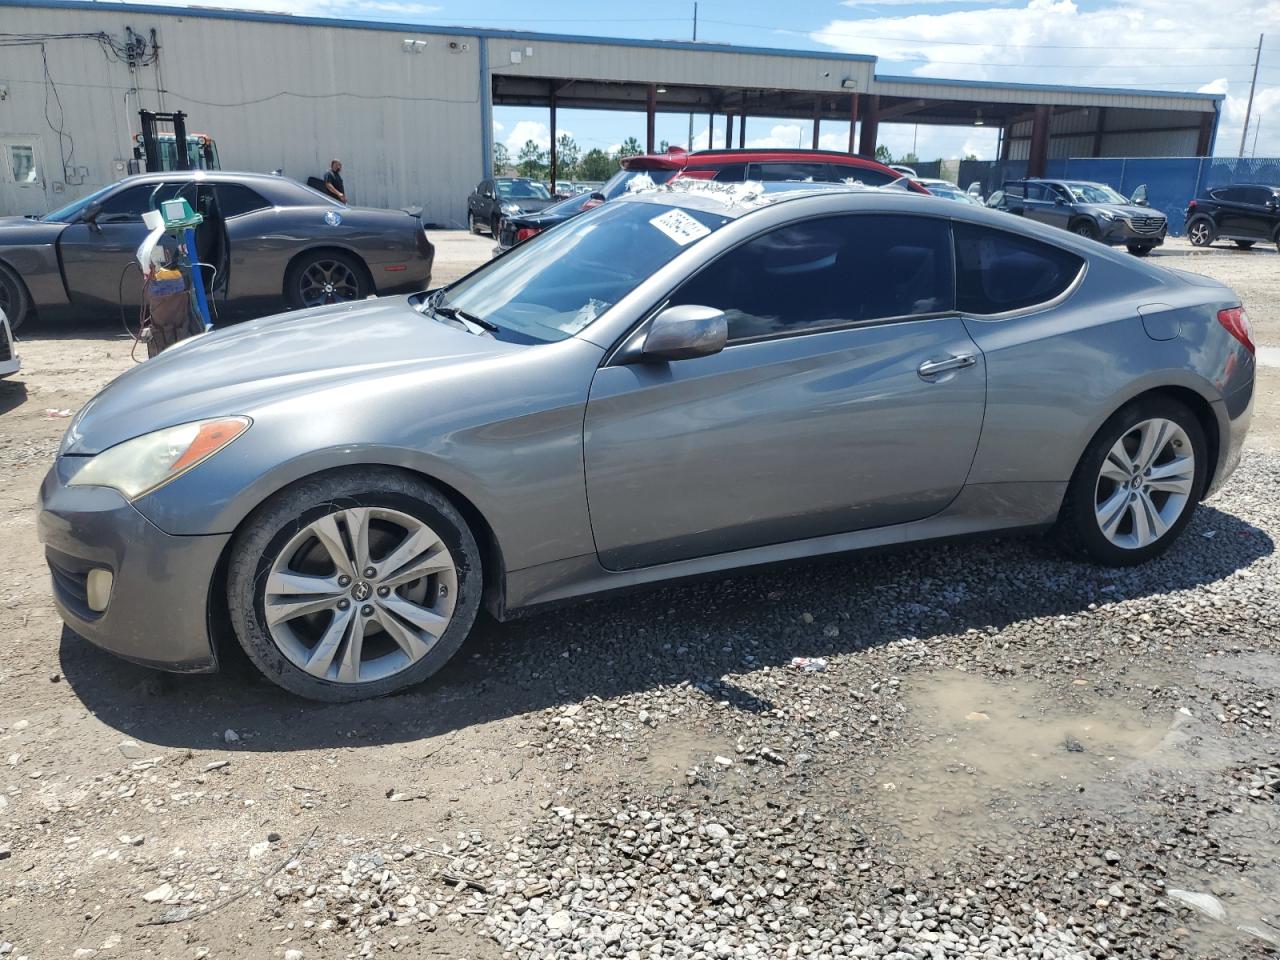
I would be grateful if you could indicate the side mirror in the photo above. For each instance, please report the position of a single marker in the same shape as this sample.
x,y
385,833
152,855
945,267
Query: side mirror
x,y
90,213
685,332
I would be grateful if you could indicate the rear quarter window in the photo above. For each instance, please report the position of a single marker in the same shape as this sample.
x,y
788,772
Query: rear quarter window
x,y
997,272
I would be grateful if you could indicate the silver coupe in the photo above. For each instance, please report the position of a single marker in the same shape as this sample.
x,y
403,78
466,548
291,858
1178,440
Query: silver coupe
x,y
674,384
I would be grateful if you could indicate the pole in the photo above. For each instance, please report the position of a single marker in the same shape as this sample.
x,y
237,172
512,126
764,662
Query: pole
x,y
553,171
1257,128
695,37
1252,86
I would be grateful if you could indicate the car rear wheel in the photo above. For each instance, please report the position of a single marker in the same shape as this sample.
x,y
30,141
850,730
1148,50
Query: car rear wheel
x,y
354,585
14,299
1086,228
1137,484
1245,244
326,277
1201,233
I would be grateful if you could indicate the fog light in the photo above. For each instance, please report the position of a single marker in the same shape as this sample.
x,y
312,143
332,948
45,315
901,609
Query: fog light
x,y
98,589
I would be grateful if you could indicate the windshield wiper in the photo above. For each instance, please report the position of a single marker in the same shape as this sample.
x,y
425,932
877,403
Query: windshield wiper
x,y
453,313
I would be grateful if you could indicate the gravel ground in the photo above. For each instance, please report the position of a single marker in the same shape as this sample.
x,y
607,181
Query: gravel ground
x,y
995,752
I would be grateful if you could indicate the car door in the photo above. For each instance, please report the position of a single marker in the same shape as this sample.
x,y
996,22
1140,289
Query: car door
x,y
1255,216
1013,198
1235,219
849,396
96,256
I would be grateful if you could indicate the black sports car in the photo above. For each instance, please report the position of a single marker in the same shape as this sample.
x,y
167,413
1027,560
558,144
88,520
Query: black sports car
x,y
266,242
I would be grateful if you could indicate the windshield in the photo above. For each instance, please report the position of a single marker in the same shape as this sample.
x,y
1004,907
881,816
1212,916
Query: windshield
x,y
71,211
522,190
556,284
947,190
1094,193
617,185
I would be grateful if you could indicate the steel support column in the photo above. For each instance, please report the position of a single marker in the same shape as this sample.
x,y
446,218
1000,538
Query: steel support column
x,y
1099,130
651,110
1038,157
1204,142
552,173
817,119
853,120
870,126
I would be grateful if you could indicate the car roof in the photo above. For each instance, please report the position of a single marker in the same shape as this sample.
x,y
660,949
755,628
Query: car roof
x,y
736,199
214,176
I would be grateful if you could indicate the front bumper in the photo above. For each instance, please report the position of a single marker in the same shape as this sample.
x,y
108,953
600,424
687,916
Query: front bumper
x,y
1124,231
158,609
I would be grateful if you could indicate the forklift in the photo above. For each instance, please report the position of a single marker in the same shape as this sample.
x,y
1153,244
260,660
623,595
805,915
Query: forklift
x,y
159,151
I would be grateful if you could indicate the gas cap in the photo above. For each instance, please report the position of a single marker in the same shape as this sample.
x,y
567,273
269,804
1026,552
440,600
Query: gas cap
x,y
1160,320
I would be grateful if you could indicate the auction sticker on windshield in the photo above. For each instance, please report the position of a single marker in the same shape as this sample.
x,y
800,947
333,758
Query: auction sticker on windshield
x,y
680,227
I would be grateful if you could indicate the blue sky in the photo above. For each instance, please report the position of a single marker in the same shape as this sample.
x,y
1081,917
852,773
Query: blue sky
x,y
1156,44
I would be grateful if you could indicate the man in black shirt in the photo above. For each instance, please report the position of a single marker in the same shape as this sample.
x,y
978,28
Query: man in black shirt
x,y
333,181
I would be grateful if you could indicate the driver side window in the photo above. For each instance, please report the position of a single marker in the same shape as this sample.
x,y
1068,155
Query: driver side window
x,y
130,204
829,272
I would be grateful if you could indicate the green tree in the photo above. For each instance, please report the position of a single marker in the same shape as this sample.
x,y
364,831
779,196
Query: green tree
x,y
596,165
501,159
971,156
568,157
630,148
883,154
910,159
664,146
532,161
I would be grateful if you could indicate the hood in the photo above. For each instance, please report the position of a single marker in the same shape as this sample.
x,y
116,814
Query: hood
x,y
15,230
1127,210
249,366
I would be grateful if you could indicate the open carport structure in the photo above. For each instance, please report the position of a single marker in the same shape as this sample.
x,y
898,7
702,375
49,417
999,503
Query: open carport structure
x,y
409,108
1036,122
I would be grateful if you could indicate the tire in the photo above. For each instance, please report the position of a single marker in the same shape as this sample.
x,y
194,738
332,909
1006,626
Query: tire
x,y
1245,244
1139,249
472,226
326,276
1201,232
14,299
1080,527
495,227
1085,228
277,548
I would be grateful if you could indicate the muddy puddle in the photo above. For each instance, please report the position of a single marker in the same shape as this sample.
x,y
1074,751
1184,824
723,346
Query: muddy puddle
x,y
991,756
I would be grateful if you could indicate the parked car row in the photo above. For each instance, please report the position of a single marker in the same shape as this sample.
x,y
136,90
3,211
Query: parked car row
x,y
720,166
1091,210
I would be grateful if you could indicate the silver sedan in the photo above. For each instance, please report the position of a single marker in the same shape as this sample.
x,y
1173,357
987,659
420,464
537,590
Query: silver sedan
x,y
678,383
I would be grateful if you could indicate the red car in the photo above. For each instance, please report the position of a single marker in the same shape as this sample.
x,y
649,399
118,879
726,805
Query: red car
x,y
724,166
772,165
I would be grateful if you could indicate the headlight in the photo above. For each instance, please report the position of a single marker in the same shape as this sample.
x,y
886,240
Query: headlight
x,y
1107,214
144,463
510,208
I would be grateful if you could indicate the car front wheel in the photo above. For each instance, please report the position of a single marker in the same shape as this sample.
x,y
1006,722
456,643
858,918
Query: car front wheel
x,y
1137,484
1086,228
354,585
1244,244
326,277
1201,233
1139,249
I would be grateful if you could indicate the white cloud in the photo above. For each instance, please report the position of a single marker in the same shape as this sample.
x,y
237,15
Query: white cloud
x,y
535,130
1157,44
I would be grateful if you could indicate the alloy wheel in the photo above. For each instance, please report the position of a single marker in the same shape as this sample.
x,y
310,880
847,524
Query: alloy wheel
x,y
327,281
1145,483
360,594
1200,234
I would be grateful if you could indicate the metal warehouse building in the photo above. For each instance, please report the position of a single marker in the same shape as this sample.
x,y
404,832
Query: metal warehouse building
x,y
409,108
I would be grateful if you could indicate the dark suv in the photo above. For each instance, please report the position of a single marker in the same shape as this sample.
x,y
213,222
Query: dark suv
x,y
1092,210
1243,212
500,197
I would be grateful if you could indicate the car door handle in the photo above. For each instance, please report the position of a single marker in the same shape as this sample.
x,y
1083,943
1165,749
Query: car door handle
x,y
931,368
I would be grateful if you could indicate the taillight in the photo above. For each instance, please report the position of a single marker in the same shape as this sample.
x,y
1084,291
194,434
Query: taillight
x,y
524,233
1236,322
1191,205
591,203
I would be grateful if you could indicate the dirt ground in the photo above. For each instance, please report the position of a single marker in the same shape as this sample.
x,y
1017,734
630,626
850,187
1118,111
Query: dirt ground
x,y
144,815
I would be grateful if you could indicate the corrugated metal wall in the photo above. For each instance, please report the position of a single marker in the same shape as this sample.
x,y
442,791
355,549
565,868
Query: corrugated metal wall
x,y
1125,132
406,125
